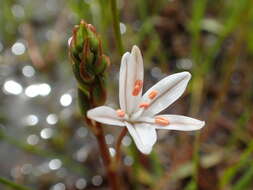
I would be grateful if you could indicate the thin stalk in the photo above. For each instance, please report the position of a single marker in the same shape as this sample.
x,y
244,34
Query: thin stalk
x,y
199,8
118,144
116,26
110,169
12,185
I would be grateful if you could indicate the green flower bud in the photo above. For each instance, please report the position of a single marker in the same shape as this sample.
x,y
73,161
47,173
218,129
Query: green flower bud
x,y
79,39
81,74
89,66
83,102
101,64
98,91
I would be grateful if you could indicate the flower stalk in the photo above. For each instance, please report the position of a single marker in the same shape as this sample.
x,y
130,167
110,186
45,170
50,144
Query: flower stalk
x,y
89,66
118,144
116,26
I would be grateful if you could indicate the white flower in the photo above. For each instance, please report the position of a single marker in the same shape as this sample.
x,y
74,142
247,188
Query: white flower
x,y
138,112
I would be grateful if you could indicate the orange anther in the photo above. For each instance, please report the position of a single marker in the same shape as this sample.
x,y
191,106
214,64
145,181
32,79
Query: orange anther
x,y
139,83
120,113
144,105
152,94
136,91
161,121
137,87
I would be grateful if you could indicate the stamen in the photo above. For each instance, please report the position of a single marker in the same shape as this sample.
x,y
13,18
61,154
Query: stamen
x,y
120,113
161,121
139,82
136,91
137,87
152,94
144,105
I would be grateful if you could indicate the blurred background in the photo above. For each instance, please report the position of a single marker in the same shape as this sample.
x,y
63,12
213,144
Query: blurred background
x,y
45,146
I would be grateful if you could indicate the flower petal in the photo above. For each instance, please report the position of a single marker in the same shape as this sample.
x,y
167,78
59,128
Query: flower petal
x,y
122,80
131,70
106,115
143,135
176,122
168,91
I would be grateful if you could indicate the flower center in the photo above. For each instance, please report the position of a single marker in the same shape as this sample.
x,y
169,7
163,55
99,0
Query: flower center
x,y
144,105
137,87
120,113
161,121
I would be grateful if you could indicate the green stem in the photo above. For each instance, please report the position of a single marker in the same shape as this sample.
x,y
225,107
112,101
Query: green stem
x,y
116,26
12,184
199,8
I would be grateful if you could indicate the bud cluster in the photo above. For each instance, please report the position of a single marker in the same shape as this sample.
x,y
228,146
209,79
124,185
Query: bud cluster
x,y
89,65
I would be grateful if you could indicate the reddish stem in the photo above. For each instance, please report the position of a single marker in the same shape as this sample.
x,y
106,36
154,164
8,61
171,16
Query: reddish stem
x,y
112,176
118,144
